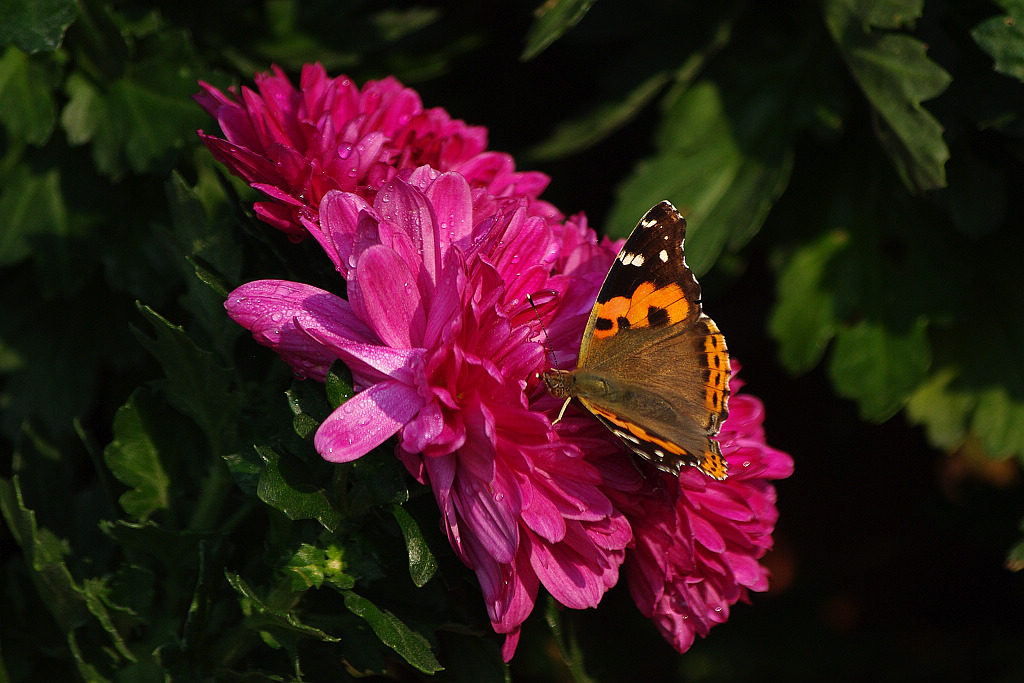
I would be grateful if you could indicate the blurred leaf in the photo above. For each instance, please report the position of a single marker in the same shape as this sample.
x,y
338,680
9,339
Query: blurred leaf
x,y
196,383
287,485
142,119
1003,38
804,318
475,660
36,25
942,408
422,564
896,75
704,166
32,205
135,460
567,640
412,646
583,132
878,366
173,549
554,18
27,107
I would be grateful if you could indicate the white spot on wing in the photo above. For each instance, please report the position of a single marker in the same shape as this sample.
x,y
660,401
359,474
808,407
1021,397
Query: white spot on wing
x,y
632,259
663,255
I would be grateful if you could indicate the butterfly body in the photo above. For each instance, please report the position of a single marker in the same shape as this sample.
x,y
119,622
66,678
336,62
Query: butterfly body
x,y
652,366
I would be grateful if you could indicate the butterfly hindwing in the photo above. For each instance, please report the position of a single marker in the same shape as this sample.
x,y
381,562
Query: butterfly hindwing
x,y
652,367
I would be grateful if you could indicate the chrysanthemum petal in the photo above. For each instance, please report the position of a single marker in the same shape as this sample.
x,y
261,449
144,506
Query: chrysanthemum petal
x,y
366,420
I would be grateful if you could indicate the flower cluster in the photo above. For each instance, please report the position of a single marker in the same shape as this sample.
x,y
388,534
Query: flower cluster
x,y
296,145
440,246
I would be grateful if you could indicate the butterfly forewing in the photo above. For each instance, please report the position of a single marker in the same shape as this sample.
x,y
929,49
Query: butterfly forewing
x,y
652,366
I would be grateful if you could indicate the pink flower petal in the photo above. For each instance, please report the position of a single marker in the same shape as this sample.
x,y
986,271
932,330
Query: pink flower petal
x,y
366,420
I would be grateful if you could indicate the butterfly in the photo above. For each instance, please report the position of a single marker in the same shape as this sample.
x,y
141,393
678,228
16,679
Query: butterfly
x,y
652,366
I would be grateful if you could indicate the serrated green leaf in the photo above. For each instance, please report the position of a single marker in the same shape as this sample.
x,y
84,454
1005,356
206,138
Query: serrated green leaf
x,y
196,383
134,459
36,25
422,564
554,18
704,167
279,621
879,367
27,106
44,554
804,319
287,485
896,75
412,646
1002,37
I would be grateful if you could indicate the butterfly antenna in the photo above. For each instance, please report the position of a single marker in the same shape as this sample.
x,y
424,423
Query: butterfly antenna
x,y
554,358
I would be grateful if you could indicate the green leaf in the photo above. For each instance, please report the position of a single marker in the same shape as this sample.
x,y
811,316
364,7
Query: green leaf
x,y
275,620
287,485
310,566
339,384
27,106
707,168
33,207
567,641
412,646
804,320
476,660
175,549
1002,37
895,75
143,118
308,402
196,383
943,408
134,459
583,132
879,367
44,554
554,18
422,564
36,25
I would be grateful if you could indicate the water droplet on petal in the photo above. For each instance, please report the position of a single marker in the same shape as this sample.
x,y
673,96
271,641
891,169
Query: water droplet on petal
x,y
498,497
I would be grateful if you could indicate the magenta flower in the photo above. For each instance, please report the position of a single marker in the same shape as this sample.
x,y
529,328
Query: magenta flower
x,y
440,242
444,351
295,146
698,541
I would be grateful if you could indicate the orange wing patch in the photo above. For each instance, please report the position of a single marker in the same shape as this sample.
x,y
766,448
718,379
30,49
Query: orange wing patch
x,y
649,306
716,379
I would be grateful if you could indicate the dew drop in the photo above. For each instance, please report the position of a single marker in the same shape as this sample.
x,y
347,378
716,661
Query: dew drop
x,y
498,497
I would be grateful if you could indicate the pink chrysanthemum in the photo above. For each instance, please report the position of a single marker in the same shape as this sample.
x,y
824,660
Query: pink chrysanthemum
x,y
296,145
697,540
443,348
439,243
